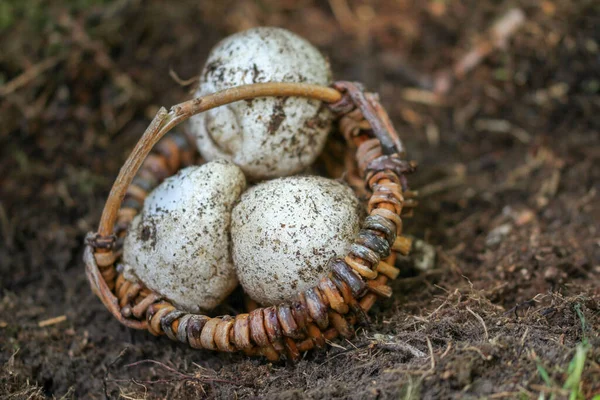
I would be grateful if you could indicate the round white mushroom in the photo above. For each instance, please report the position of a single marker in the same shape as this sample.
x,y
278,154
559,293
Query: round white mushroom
x,y
285,231
179,244
267,137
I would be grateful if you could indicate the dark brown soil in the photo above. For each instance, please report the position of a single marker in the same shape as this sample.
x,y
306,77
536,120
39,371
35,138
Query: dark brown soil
x,y
509,176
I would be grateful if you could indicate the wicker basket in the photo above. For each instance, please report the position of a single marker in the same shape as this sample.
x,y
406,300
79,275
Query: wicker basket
x,y
376,169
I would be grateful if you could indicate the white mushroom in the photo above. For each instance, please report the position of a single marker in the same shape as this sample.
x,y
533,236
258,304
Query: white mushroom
x,y
285,231
271,136
179,245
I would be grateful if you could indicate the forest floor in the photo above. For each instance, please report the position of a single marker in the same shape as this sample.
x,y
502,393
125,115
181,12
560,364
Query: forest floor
x,y
509,179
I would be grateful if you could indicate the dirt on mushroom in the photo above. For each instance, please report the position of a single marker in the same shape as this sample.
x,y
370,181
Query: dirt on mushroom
x,y
508,176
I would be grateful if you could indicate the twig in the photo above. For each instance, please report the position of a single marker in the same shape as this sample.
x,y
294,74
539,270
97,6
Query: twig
x,y
348,350
52,321
398,346
501,395
523,338
396,64
105,378
179,81
344,15
422,96
333,344
420,278
550,390
431,355
484,356
451,260
502,126
29,74
445,353
442,185
498,36
487,336
426,319
6,227
181,375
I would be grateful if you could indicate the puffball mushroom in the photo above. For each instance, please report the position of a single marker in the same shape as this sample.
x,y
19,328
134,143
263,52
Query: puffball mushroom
x,y
271,136
285,231
179,245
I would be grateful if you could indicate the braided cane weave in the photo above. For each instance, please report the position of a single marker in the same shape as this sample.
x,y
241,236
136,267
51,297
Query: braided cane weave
x,y
339,300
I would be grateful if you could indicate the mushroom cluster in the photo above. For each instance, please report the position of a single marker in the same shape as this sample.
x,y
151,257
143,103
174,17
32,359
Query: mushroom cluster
x,y
201,231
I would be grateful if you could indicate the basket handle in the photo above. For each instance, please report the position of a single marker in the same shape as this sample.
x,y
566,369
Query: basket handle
x,y
164,121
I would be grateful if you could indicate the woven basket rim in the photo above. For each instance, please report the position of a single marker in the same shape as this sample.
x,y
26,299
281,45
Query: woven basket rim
x,y
330,308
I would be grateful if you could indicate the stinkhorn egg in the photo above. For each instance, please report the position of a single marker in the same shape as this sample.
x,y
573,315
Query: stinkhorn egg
x,y
266,137
285,231
179,245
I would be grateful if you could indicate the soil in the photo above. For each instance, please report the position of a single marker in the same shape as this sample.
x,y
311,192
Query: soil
x,y
509,179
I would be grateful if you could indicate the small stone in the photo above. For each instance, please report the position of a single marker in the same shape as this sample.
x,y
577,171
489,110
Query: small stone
x,y
285,231
497,235
179,245
524,217
423,255
554,275
267,137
